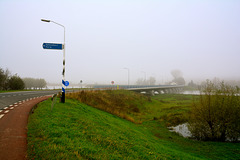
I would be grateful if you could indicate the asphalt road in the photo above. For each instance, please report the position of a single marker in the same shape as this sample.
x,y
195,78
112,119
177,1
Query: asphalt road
x,y
10,98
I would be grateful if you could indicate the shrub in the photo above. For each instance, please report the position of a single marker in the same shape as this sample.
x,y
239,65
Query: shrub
x,y
217,114
4,78
15,83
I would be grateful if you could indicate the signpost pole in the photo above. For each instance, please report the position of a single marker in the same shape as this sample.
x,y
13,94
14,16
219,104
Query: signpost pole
x,y
63,72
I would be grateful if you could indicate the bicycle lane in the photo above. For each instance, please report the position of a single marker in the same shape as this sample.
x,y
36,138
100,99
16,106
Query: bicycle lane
x,y
13,128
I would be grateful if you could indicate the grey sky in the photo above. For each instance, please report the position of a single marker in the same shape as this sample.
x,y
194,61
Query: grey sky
x,y
200,38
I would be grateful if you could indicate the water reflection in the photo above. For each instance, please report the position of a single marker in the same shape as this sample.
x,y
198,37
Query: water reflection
x,y
192,92
182,129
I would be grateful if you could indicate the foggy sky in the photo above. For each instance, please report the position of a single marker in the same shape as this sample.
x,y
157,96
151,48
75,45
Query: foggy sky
x,y
199,37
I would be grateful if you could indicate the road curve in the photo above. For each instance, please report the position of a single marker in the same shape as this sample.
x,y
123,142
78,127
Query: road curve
x,y
13,128
9,98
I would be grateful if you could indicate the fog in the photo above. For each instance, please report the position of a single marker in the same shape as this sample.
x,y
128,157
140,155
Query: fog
x,y
149,37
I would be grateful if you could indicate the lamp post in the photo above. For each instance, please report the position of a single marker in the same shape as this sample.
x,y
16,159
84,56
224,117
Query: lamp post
x,y
63,72
128,76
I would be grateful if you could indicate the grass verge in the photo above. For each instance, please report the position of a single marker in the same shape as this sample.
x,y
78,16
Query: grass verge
x,y
77,131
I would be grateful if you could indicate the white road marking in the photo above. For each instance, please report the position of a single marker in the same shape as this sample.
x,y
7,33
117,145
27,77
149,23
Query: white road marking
x,y
6,111
1,116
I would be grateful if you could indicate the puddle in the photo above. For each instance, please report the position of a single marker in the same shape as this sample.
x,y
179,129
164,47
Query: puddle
x,y
181,129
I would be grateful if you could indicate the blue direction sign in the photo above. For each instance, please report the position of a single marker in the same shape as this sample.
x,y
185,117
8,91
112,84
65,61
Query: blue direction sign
x,y
52,46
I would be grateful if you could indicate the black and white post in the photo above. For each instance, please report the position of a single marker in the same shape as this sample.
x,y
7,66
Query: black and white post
x,y
64,48
63,73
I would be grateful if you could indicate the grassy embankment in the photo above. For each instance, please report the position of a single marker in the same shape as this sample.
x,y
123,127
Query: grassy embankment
x,y
75,130
11,91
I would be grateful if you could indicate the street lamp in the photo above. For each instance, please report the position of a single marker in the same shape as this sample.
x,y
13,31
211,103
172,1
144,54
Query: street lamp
x,y
128,76
63,72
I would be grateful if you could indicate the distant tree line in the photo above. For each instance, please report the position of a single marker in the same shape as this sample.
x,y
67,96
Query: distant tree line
x,y
177,79
10,82
14,82
32,83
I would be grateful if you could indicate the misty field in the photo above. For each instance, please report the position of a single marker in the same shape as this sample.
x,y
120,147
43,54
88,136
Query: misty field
x,y
135,128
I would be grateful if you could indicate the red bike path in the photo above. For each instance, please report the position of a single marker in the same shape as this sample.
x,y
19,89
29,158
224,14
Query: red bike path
x,y
13,128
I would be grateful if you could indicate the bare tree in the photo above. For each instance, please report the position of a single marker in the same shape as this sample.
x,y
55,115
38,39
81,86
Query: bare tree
x,y
178,77
176,73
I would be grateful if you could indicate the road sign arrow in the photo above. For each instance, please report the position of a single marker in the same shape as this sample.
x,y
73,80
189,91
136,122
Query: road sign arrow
x,y
56,46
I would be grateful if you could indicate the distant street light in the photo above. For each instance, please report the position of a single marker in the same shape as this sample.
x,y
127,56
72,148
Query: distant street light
x,y
44,20
128,75
63,72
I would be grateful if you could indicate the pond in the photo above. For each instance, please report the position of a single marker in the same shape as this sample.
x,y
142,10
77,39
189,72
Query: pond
x,y
182,130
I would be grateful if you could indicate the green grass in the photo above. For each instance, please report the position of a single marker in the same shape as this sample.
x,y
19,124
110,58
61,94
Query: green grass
x,y
123,104
11,91
77,131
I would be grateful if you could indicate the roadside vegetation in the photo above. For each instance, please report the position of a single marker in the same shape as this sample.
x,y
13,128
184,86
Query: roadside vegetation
x,y
10,82
126,105
34,83
216,115
93,125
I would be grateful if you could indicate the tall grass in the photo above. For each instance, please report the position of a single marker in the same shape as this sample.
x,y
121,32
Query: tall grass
x,y
124,104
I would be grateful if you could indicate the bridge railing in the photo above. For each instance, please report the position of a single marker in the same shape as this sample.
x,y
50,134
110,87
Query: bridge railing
x,y
134,86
